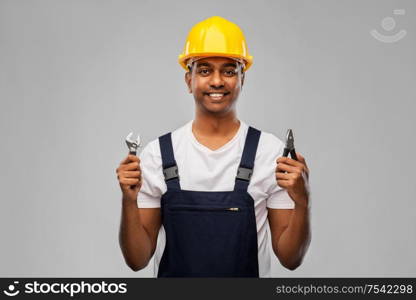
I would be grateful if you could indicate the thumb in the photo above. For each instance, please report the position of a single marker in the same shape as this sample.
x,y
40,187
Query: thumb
x,y
300,158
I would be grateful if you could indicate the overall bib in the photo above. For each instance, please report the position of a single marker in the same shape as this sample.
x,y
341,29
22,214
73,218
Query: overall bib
x,y
209,234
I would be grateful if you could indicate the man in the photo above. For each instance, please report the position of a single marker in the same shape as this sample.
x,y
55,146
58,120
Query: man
x,y
215,183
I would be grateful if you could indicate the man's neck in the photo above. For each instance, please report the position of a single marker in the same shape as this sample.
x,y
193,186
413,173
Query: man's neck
x,y
209,125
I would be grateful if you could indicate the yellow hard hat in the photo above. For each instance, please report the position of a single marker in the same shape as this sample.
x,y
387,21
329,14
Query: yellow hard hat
x,y
216,36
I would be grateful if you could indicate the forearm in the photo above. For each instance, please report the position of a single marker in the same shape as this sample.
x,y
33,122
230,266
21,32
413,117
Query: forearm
x,y
134,241
295,239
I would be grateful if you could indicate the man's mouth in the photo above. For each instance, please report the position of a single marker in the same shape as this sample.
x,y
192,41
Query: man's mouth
x,y
217,95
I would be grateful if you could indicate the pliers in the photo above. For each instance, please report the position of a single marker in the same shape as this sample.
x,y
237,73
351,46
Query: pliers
x,y
290,145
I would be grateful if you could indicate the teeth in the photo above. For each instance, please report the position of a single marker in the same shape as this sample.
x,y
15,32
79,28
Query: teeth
x,y
216,95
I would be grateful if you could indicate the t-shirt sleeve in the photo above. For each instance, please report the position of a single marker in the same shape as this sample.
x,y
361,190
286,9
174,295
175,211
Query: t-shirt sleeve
x,y
153,184
278,198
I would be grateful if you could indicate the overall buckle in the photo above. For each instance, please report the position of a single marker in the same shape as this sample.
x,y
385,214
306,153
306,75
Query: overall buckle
x,y
171,173
244,173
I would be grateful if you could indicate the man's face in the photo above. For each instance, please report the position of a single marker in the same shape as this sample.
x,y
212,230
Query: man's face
x,y
216,83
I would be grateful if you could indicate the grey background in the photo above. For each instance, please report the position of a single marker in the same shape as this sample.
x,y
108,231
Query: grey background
x,y
77,76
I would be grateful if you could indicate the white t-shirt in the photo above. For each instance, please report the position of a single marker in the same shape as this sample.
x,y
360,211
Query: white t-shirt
x,y
203,169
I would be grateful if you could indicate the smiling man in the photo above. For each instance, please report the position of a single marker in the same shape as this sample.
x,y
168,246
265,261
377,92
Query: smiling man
x,y
203,197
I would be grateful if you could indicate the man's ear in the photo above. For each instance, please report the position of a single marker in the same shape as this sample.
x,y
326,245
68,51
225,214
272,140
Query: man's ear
x,y
188,79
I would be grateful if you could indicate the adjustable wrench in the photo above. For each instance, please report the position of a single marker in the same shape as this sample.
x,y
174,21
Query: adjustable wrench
x,y
133,145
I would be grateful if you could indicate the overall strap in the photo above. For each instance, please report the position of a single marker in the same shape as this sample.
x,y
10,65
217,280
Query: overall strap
x,y
245,169
170,169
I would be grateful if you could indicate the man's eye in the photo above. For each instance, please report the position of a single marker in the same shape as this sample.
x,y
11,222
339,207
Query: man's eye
x,y
230,72
203,71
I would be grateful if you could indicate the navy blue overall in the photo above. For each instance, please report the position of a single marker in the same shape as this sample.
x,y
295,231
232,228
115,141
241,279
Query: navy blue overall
x,y
209,234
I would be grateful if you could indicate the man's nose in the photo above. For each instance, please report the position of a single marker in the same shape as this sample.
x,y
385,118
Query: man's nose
x,y
216,80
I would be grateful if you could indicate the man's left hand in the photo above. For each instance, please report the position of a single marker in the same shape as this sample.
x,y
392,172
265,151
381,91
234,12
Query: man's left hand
x,y
295,180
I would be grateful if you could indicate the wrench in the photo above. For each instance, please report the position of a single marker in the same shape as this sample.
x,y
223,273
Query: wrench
x,y
133,145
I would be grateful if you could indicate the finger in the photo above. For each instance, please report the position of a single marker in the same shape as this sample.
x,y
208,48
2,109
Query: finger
x,y
306,171
133,166
131,174
283,183
282,176
129,158
297,164
129,181
282,167
289,161
301,158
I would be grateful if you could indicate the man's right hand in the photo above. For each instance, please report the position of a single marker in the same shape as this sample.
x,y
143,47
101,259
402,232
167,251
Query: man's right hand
x,y
129,176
